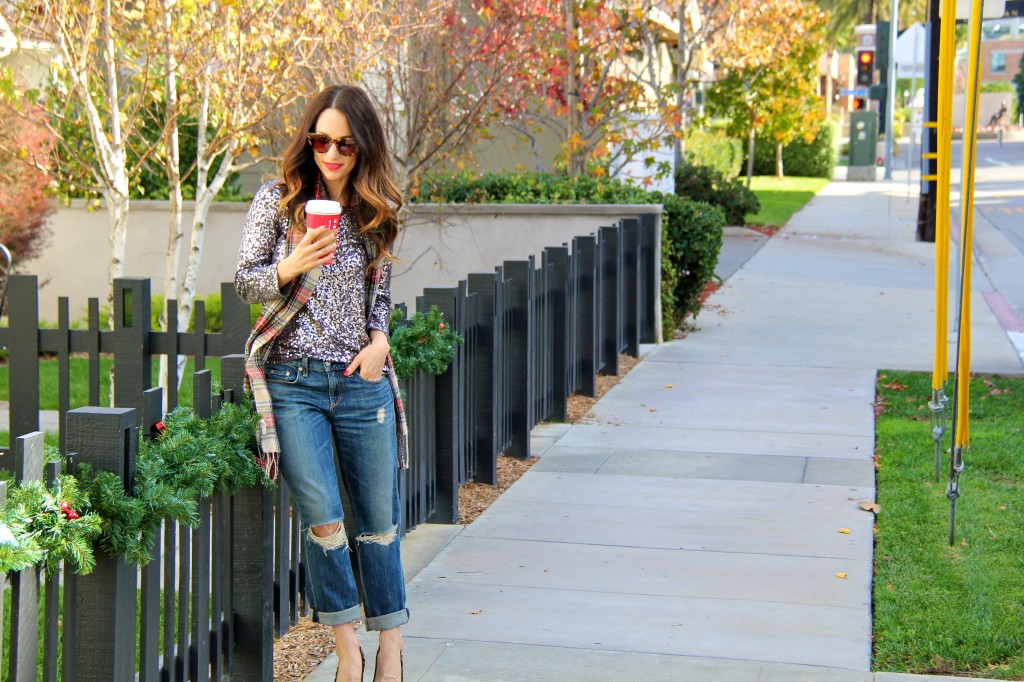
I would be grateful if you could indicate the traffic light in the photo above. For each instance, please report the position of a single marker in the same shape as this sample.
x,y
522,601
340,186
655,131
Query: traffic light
x,y
859,104
865,67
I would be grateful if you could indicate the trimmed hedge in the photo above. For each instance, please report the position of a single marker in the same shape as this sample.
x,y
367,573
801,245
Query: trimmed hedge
x,y
691,230
814,159
715,149
704,183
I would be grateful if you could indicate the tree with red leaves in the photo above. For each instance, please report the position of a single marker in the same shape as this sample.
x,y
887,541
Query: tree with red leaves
x,y
25,207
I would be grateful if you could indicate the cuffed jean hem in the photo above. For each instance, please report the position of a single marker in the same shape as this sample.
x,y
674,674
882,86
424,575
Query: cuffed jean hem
x,y
388,621
339,617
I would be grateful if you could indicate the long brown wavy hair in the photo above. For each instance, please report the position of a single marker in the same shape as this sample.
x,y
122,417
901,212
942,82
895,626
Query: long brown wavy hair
x,y
376,199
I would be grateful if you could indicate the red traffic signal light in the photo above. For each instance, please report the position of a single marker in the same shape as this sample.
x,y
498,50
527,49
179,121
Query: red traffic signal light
x,y
865,67
859,104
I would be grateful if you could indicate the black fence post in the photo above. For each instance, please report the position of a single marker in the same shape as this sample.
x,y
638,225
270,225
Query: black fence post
x,y
23,663
585,259
63,369
482,287
23,354
558,260
449,444
51,616
234,316
232,376
609,332
252,583
132,360
107,439
650,271
630,247
521,355
149,589
251,589
468,329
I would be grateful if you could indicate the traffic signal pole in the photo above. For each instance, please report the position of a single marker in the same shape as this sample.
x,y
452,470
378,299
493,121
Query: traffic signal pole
x,y
929,138
890,89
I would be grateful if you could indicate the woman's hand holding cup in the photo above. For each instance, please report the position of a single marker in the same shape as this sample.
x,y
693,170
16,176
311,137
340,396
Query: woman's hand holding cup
x,y
316,248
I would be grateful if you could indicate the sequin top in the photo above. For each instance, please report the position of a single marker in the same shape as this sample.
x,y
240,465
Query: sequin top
x,y
333,325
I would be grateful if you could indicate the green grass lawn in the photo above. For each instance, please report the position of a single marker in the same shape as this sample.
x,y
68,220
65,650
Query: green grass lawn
x,y
780,199
938,609
80,381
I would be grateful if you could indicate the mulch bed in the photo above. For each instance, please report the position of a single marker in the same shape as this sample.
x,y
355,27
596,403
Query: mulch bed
x,y
300,651
766,230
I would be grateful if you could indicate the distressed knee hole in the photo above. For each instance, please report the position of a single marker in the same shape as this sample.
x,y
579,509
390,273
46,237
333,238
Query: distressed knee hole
x,y
329,535
379,538
380,415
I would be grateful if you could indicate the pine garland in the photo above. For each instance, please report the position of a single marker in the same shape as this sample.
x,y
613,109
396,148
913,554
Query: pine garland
x,y
423,342
189,459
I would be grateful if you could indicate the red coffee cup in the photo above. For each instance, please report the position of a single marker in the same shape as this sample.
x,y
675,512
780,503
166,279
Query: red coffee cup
x,y
323,214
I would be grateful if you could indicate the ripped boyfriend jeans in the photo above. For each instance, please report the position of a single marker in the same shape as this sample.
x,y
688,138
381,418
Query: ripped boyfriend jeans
x,y
319,411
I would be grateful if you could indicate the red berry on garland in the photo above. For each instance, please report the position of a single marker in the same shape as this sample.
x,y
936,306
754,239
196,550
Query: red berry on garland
x,y
64,506
72,514
159,426
422,339
441,326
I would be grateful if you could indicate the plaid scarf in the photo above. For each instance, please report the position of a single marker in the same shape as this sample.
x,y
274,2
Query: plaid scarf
x,y
271,323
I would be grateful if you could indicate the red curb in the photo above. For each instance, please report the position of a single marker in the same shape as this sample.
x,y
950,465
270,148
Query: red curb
x,y
1007,317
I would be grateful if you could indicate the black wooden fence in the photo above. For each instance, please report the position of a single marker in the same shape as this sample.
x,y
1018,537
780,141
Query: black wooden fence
x,y
214,596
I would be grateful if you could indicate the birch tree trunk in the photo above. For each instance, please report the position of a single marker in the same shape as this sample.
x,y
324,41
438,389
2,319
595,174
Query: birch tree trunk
x,y
206,190
778,160
172,167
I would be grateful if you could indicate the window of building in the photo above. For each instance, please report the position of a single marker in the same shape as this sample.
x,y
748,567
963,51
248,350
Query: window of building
x,y
998,62
996,29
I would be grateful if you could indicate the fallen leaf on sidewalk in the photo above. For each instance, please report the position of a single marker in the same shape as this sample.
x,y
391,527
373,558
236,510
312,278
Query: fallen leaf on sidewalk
x,y
474,613
841,576
867,505
668,385
844,531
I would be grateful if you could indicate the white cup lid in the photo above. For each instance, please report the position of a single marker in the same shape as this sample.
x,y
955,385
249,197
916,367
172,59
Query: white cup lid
x,y
323,207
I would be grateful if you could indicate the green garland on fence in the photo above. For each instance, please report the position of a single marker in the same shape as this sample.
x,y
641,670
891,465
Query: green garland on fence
x,y
423,342
189,458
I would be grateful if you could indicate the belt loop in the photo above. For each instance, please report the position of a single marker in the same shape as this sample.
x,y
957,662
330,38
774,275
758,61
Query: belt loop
x,y
305,366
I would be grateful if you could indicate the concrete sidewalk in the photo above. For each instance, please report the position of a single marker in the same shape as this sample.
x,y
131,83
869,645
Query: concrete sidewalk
x,y
688,527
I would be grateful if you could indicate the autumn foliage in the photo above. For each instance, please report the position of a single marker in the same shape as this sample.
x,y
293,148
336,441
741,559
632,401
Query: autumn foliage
x,y
24,205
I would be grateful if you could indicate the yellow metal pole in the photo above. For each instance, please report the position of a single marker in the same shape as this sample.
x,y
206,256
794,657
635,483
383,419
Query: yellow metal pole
x,y
944,125
947,60
967,228
962,398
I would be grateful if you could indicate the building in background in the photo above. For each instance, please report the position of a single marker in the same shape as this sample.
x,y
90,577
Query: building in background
x,y
1002,44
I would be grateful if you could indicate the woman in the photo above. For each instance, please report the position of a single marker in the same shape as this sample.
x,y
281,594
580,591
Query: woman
x,y
319,369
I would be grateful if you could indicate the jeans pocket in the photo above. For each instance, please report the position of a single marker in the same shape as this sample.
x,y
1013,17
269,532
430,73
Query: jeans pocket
x,y
378,380
282,373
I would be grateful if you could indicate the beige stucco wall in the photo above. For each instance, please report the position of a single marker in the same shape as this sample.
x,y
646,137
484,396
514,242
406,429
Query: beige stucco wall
x,y
439,245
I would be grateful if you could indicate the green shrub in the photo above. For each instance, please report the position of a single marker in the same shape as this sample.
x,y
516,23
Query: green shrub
x,y
997,86
715,149
691,242
703,183
691,231
814,159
